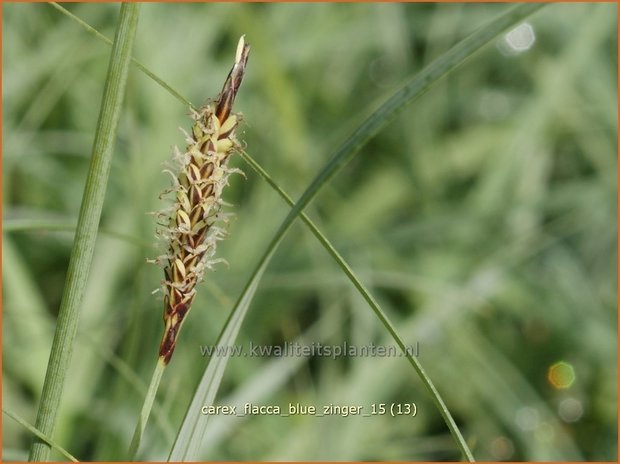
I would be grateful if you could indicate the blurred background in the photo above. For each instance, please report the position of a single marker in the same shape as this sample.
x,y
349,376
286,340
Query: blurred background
x,y
483,219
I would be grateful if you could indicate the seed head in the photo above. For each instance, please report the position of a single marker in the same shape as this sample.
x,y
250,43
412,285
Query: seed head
x,y
194,223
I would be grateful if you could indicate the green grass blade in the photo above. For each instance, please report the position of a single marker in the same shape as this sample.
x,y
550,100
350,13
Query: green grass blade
x,y
419,85
372,302
138,64
86,232
194,425
32,429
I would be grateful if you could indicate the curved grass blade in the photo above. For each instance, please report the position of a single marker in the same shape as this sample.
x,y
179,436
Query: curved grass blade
x,y
193,428
374,305
32,429
138,64
86,232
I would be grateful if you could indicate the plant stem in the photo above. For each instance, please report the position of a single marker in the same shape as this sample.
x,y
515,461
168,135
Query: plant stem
x,y
146,408
86,232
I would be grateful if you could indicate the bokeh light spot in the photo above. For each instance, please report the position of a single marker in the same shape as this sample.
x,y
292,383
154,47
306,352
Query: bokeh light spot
x,y
521,38
518,40
561,375
570,410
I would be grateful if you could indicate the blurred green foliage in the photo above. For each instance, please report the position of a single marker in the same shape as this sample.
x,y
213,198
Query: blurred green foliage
x,y
484,220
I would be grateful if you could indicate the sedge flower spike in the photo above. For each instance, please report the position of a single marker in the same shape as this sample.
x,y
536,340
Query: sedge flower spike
x,y
193,224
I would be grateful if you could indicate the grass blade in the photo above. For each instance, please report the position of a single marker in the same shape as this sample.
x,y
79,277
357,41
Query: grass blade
x,y
138,64
194,425
86,232
374,305
32,429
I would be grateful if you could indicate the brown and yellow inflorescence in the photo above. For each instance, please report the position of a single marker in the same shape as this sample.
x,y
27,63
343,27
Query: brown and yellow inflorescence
x,y
193,224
